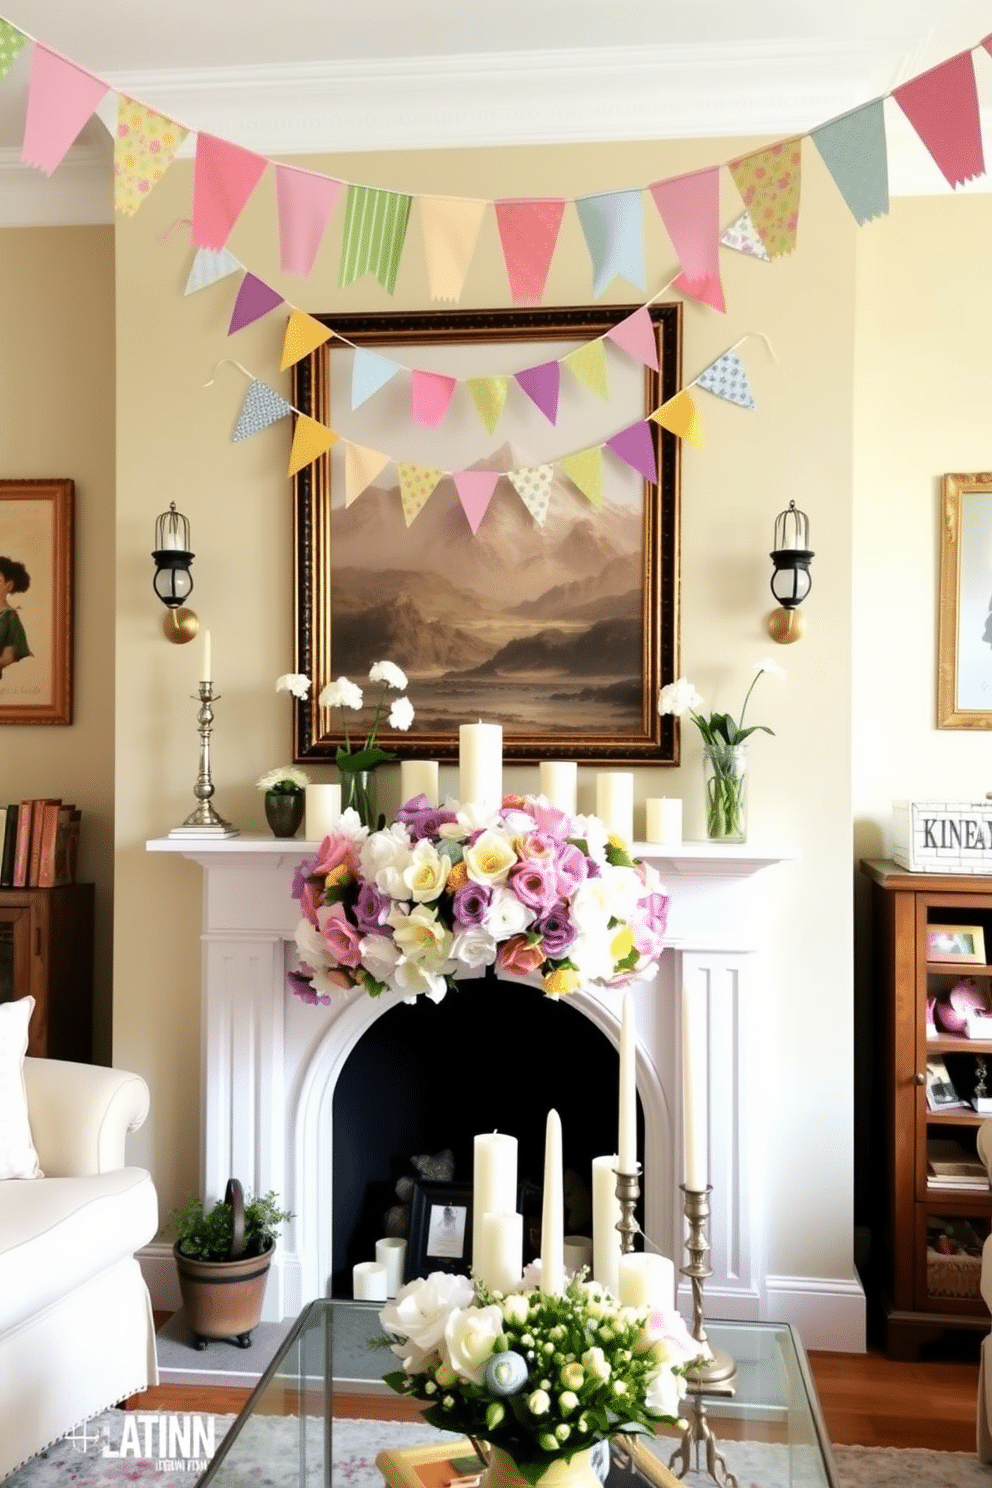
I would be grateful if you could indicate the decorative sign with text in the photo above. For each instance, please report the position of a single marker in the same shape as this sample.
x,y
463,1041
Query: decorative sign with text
x,y
942,836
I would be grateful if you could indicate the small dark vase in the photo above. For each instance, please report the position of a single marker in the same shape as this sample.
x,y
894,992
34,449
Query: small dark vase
x,y
284,811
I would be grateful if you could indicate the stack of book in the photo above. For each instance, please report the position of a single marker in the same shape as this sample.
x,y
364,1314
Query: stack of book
x,y
950,1164
40,844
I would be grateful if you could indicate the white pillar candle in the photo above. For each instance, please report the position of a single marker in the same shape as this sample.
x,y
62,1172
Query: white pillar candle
x,y
323,808
615,802
368,1281
418,778
494,1182
480,764
663,820
578,1253
558,781
205,672
553,1212
500,1251
605,1218
627,1140
647,1280
694,1123
391,1253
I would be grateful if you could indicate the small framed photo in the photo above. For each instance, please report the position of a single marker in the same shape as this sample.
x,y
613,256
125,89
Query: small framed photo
x,y
960,943
440,1229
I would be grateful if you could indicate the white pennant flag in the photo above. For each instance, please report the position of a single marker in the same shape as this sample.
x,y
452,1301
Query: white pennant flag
x,y
209,265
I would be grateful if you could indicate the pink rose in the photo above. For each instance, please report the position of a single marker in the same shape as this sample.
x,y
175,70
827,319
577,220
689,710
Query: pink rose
x,y
341,937
537,846
535,883
572,869
334,850
519,956
551,819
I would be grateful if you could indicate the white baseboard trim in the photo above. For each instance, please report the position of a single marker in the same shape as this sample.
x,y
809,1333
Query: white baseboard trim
x,y
828,1314
158,1267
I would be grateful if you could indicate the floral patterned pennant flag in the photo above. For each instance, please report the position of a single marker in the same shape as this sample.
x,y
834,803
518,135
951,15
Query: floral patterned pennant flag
x,y
303,335
430,394
727,379
361,466
11,42
374,233
588,364
689,207
489,396
262,406
681,417
528,231
310,440
635,335
475,491
769,182
210,265
144,149
542,385
306,202
585,470
417,484
61,99
369,373
854,152
741,236
255,299
942,106
451,230
224,177
613,226
533,485
635,445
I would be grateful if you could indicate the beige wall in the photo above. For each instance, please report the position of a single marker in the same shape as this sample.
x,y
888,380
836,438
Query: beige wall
x,y
57,419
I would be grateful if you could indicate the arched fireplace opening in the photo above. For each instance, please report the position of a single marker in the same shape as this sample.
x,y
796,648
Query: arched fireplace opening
x,y
493,1055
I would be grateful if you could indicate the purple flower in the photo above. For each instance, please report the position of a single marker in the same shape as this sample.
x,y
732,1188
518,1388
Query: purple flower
x,y
423,819
371,908
470,903
535,883
300,875
572,868
655,908
556,931
304,990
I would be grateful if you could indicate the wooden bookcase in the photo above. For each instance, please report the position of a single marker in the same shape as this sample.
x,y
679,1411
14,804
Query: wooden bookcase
x,y
46,950
923,1293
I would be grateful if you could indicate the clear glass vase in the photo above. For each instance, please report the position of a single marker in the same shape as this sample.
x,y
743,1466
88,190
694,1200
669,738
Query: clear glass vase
x,y
358,792
725,787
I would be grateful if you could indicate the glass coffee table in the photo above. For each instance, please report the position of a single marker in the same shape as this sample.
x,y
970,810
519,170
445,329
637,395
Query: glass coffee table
x,y
292,1431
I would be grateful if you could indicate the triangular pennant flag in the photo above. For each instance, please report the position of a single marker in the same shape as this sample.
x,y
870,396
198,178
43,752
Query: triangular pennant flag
x,y
11,41
585,470
369,373
451,230
541,384
374,233
361,466
680,416
769,182
528,231
635,445
533,486
209,265
417,484
741,236
430,394
489,396
224,177
613,225
854,152
726,378
588,364
303,335
310,439
942,106
636,336
262,406
61,99
475,491
689,206
255,299
143,151
306,203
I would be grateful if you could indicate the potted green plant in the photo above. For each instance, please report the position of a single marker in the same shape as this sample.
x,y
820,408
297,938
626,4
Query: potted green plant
x,y
222,1259
284,798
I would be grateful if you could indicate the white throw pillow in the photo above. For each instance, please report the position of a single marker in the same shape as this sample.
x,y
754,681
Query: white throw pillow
x,y
18,1158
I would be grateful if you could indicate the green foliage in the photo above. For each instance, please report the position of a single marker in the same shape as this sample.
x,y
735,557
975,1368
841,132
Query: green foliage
x,y
207,1234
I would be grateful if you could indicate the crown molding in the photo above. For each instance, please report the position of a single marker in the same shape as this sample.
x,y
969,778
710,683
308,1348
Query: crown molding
x,y
80,194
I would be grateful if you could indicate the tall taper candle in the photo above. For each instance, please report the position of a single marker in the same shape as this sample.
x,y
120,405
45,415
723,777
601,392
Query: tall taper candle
x,y
558,780
627,1140
694,1087
205,674
494,1182
553,1212
480,764
418,778
605,1218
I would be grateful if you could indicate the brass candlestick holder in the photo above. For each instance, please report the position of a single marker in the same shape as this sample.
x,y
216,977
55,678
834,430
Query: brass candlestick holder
x,y
204,821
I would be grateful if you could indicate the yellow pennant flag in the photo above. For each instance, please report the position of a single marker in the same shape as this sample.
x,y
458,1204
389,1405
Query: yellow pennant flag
x,y
533,486
417,483
489,396
585,469
310,439
361,466
588,364
143,151
451,231
769,182
681,416
303,335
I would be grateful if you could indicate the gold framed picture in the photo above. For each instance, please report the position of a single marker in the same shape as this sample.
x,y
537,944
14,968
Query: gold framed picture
x,y
964,943
36,571
964,629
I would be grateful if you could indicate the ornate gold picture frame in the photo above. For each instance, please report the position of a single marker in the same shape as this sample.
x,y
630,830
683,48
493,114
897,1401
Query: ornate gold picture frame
x,y
964,631
36,644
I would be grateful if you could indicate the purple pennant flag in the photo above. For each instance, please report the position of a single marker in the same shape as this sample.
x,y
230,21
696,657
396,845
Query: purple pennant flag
x,y
541,384
255,299
636,446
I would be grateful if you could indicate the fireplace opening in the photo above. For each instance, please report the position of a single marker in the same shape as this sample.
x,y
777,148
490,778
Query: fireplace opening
x,y
493,1055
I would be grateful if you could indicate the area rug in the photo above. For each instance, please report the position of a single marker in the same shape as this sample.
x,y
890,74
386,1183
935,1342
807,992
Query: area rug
x,y
103,1455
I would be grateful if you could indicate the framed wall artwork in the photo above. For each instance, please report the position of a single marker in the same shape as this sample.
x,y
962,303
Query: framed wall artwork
x,y
36,601
440,1229
563,632
964,639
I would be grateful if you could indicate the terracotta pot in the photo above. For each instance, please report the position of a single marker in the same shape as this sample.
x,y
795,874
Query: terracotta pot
x,y
223,1299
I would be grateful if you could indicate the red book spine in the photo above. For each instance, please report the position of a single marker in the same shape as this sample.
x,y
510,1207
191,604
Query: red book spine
x,y
22,852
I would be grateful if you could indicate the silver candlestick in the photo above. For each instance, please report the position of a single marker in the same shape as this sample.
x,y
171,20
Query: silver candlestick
x,y
204,821
628,1192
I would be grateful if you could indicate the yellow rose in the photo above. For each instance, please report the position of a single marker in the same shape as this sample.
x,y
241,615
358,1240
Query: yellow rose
x,y
338,875
622,945
456,878
560,982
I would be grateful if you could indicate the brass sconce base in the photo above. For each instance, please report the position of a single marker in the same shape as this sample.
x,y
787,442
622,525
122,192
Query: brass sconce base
x,y
786,626
180,625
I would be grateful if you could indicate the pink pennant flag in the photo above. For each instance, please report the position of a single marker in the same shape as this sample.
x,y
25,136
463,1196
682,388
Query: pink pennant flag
x,y
224,177
942,106
255,299
690,209
430,394
528,230
475,491
542,385
306,203
636,337
61,99
636,446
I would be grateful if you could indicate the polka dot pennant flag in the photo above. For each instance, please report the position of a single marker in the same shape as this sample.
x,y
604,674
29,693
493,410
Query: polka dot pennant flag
x,y
310,440
588,364
769,182
533,485
303,335
143,151
726,378
262,406
489,396
11,41
585,470
417,484
680,416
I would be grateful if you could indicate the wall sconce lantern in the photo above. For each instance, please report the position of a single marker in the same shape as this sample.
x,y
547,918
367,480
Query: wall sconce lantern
x,y
791,581
173,582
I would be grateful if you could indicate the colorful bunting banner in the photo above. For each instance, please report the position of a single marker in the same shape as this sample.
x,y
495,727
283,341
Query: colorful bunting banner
x,y
417,484
533,486
209,266
475,491
689,206
369,373
635,445
224,177
450,226
262,406
306,203
489,396
361,466
61,99
769,183
613,225
374,233
741,236
680,416
726,378
11,42
542,384
588,364
585,470
430,394
854,151
303,335
942,106
528,231
255,299
144,148
310,440
635,335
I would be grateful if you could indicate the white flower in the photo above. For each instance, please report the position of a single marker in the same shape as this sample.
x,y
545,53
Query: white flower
x,y
679,697
469,1336
311,945
295,682
384,858
380,955
421,936
474,946
415,979
388,672
539,1403
418,1314
401,714
516,1308
426,873
597,1364
766,664
350,824
507,915
664,1392
285,775
490,858
340,694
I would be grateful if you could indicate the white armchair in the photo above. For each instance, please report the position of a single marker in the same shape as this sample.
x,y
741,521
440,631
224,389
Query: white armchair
x,y
76,1327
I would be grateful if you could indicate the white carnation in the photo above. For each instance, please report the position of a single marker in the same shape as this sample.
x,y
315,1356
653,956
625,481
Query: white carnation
x,y
340,694
388,672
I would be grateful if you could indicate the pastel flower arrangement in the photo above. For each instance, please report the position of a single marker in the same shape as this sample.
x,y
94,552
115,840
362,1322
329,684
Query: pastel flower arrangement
x,y
526,888
540,1377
